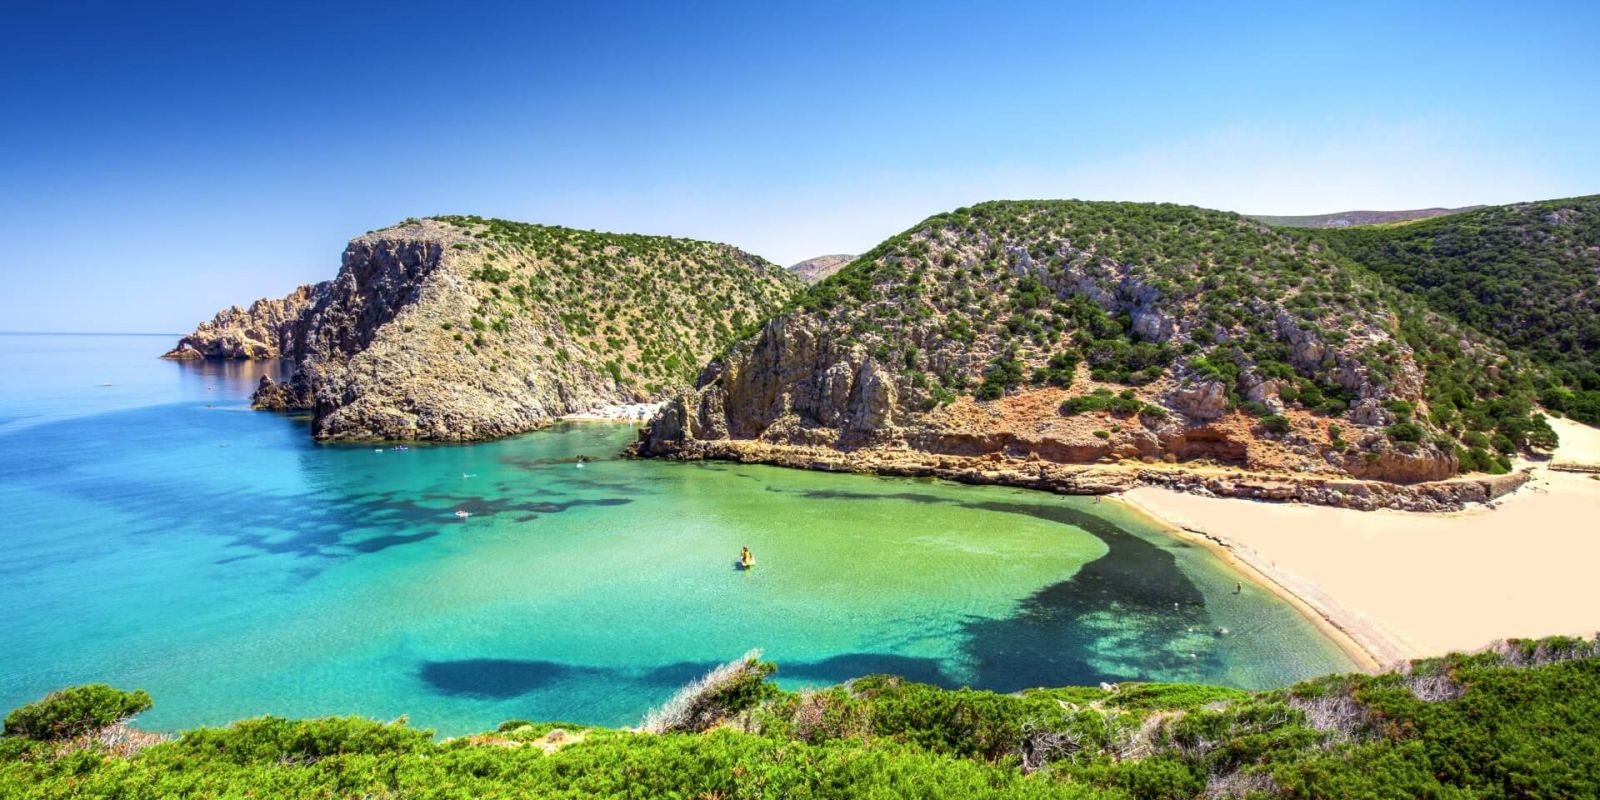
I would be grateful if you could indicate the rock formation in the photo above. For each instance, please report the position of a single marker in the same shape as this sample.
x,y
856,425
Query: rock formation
x,y
269,328
460,328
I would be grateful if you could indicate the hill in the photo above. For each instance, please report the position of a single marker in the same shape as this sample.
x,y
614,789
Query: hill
x,y
460,328
1348,219
1521,719
1527,273
815,270
1035,333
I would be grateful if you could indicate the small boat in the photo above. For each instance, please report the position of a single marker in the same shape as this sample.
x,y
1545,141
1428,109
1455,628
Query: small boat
x,y
463,513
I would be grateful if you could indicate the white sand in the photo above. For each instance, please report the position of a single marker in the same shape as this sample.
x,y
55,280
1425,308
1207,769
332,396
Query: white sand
x,y
1407,585
627,412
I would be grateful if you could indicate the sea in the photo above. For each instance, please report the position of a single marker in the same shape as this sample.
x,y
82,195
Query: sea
x,y
157,533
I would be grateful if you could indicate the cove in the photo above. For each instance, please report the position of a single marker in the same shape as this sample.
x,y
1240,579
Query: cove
x,y
159,534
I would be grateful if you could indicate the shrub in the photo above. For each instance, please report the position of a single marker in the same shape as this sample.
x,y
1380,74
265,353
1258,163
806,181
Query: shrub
x,y
75,711
1082,403
1275,423
1406,432
730,689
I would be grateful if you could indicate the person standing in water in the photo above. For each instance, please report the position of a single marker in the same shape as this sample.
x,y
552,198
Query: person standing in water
x,y
745,558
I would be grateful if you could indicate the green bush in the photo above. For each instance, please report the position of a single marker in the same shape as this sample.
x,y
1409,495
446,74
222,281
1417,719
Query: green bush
x,y
1518,720
1074,406
75,711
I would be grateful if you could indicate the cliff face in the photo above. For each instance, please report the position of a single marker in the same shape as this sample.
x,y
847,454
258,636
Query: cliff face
x,y
267,329
1064,332
458,329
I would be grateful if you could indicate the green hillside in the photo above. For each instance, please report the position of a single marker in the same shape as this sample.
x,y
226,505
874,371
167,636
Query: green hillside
x,y
1527,273
1520,720
647,309
1000,297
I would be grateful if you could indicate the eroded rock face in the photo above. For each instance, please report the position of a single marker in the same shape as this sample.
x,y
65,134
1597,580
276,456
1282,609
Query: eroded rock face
x,y
269,328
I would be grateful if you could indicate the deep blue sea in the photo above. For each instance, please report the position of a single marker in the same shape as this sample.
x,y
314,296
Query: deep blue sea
x,y
157,533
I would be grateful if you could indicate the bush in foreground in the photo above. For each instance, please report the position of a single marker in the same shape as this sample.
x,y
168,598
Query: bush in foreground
x,y
1521,719
74,712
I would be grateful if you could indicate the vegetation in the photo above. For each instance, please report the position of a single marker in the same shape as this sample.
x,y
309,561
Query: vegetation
x,y
75,711
1524,273
990,300
644,311
1518,720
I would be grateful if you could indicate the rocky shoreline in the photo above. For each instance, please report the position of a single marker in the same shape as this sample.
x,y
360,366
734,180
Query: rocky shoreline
x,y
1452,494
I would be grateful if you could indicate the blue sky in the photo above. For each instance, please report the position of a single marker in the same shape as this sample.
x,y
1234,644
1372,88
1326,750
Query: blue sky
x,y
159,163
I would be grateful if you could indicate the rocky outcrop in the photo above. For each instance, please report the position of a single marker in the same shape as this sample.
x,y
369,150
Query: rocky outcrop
x,y
460,329
815,270
269,328
289,395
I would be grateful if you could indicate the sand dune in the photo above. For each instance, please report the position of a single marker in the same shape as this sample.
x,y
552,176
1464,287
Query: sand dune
x,y
1405,585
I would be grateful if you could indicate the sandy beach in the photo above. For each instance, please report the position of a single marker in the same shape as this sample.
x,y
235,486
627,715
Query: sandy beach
x,y
1408,585
627,412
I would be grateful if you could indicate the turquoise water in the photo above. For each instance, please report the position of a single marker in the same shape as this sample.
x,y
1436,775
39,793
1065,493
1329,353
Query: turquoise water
x,y
157,533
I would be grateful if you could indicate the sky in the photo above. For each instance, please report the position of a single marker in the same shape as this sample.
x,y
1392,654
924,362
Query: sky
x,y
160,161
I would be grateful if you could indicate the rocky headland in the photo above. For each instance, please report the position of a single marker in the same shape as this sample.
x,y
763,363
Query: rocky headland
x,y
269,328
462,328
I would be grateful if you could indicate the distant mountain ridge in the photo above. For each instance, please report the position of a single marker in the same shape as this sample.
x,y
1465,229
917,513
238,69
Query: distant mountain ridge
x,y
1347,219
815,270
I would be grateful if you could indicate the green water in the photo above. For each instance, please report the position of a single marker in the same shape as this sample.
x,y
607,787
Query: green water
x,y
162,535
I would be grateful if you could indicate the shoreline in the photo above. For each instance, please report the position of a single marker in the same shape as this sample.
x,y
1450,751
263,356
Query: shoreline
x,y
1429,498
1402,586
1412,571
639,413
1369,655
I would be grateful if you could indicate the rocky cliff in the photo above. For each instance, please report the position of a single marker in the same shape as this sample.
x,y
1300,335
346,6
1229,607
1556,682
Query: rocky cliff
x,y
461,328
1070,333
816,270
269,328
